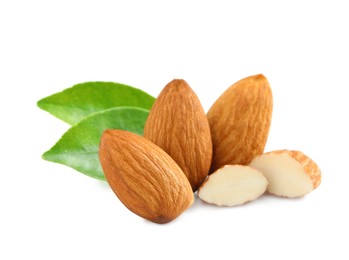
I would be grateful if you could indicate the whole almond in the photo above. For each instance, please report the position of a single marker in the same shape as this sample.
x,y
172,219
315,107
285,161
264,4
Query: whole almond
x,y
290,173
177,123
146,179
240,121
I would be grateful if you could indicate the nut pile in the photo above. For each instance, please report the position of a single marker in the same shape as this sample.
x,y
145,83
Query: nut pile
x,y
219,155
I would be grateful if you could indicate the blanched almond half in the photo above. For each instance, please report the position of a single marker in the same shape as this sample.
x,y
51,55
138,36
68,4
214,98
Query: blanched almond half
x,y
233,185
289,173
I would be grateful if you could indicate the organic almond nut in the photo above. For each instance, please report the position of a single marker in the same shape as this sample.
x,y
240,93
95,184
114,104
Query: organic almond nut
x,y
233,185
146,179
177,123
240,121
289,173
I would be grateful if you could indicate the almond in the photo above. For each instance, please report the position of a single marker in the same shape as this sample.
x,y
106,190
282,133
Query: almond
x,y
177,123
146,179
240,121
289,173
233,185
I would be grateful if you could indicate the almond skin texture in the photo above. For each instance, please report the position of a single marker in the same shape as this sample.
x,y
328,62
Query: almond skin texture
x,y
290,173
233,185
177,123
240,121
146,179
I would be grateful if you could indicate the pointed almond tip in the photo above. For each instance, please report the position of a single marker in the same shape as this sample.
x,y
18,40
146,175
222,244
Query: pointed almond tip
x,y
178,81
108,134
259,77
255,79
177,84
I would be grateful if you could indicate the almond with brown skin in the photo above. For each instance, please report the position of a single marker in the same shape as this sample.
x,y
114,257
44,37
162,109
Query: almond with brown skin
x,y
177,123
240,121
146,179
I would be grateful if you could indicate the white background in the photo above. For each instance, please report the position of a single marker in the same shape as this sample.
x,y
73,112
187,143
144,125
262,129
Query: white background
x,y
49,211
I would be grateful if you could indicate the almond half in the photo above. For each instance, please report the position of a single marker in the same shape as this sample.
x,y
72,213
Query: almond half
x,y
289,173
177,123
240,121
146,179
233,185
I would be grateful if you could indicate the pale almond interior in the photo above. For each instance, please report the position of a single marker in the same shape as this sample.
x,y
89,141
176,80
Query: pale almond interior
x,y
286,176
233,185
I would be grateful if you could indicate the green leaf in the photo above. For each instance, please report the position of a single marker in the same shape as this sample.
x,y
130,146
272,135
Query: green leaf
x,y
78,147
81,100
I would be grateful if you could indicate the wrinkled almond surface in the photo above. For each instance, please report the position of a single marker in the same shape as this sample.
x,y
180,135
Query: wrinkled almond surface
x,y
177,123
146,179
240,121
